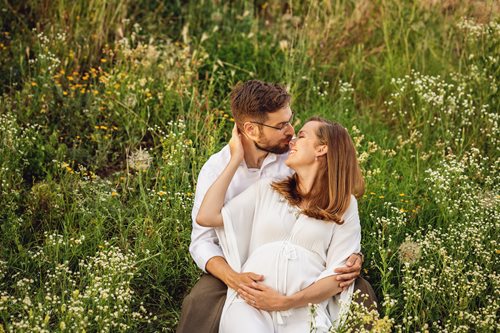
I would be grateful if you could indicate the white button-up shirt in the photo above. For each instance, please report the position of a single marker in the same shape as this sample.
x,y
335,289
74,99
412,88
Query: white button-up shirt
x,y
204,242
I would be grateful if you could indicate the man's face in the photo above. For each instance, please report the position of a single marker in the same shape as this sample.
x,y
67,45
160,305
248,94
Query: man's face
x,y
275,140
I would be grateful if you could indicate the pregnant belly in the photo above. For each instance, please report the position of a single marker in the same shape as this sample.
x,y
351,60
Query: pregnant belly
x,y
286,267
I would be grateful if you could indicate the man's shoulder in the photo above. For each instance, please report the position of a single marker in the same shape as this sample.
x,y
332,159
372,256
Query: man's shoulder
x,y
218,160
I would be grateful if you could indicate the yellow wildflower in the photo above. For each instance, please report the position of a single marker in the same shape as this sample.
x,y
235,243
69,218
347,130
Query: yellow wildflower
x,y
382,325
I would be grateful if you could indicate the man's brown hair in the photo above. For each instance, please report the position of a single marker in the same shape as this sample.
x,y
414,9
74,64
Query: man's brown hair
x,y
339,177
254,99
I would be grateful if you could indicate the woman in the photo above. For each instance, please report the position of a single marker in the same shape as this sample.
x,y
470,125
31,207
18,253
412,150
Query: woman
x,y
294,232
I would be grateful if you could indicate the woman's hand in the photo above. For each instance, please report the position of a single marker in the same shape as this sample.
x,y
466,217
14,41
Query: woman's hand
x,y
235,146
263,297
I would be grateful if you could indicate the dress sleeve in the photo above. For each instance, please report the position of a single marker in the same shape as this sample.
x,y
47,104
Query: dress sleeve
x,y
346,240
235,235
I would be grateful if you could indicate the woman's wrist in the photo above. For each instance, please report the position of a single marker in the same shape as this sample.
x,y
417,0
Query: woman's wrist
x,y
234,162
288,302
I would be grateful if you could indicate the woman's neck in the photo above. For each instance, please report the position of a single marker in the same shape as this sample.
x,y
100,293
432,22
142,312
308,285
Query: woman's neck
x,y
305,182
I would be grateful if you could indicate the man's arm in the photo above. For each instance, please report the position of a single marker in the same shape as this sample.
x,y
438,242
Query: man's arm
x,y
204,247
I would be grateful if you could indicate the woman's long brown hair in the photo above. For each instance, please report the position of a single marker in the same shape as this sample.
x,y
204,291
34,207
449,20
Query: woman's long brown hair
x,y
340,178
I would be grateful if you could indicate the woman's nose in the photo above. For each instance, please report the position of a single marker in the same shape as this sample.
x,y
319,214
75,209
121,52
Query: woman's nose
x,y
292,142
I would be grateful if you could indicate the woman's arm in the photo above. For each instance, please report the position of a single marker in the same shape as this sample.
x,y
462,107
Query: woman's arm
x,y
265,298
316,293
209,214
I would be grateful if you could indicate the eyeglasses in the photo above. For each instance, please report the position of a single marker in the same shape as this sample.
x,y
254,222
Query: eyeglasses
x,y
280,127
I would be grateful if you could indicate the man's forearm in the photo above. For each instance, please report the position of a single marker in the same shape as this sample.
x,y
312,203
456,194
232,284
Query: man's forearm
x,y
218,267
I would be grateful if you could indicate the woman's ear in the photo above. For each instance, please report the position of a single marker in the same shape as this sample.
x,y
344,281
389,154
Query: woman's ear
x,y
321,150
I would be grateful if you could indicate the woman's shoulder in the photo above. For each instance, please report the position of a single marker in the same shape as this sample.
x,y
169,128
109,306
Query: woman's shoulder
x,y
353,203
263,181
259,187
264,185
265,189
351,213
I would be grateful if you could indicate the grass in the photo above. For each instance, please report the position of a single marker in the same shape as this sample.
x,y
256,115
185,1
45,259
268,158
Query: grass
x,y
108,110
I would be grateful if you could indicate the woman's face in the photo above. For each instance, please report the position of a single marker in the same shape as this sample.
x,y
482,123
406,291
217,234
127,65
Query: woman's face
x,y
303,149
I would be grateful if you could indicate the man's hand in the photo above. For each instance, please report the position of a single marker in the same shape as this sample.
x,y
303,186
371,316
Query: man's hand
x,y
263,297
218,267
235,280
350,272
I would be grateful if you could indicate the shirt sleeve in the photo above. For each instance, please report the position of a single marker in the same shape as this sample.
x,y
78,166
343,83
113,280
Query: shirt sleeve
x,y
204,243
236,233
346,240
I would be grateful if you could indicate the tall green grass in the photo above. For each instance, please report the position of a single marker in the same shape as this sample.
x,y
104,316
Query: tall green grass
x,y
110,108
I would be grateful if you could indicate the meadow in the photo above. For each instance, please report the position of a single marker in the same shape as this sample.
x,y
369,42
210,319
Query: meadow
x,y
109,108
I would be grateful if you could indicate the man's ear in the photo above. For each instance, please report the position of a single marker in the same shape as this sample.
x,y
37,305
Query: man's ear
x,y
251,130
321,150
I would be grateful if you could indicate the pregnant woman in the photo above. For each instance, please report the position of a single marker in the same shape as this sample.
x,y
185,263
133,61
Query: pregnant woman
x,y
294,232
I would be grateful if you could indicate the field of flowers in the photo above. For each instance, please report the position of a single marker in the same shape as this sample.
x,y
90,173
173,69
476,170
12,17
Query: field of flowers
x,y
109,108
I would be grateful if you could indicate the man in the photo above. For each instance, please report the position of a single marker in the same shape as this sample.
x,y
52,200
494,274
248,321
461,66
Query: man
x,y
263,116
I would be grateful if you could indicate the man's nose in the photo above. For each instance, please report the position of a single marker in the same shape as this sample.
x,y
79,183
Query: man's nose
x,y
290,129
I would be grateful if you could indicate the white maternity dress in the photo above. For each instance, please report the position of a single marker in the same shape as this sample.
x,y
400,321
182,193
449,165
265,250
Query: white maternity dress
x,y
263,234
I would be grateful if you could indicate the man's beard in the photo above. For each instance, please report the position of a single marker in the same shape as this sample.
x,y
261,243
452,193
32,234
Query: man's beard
x,y
276,149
